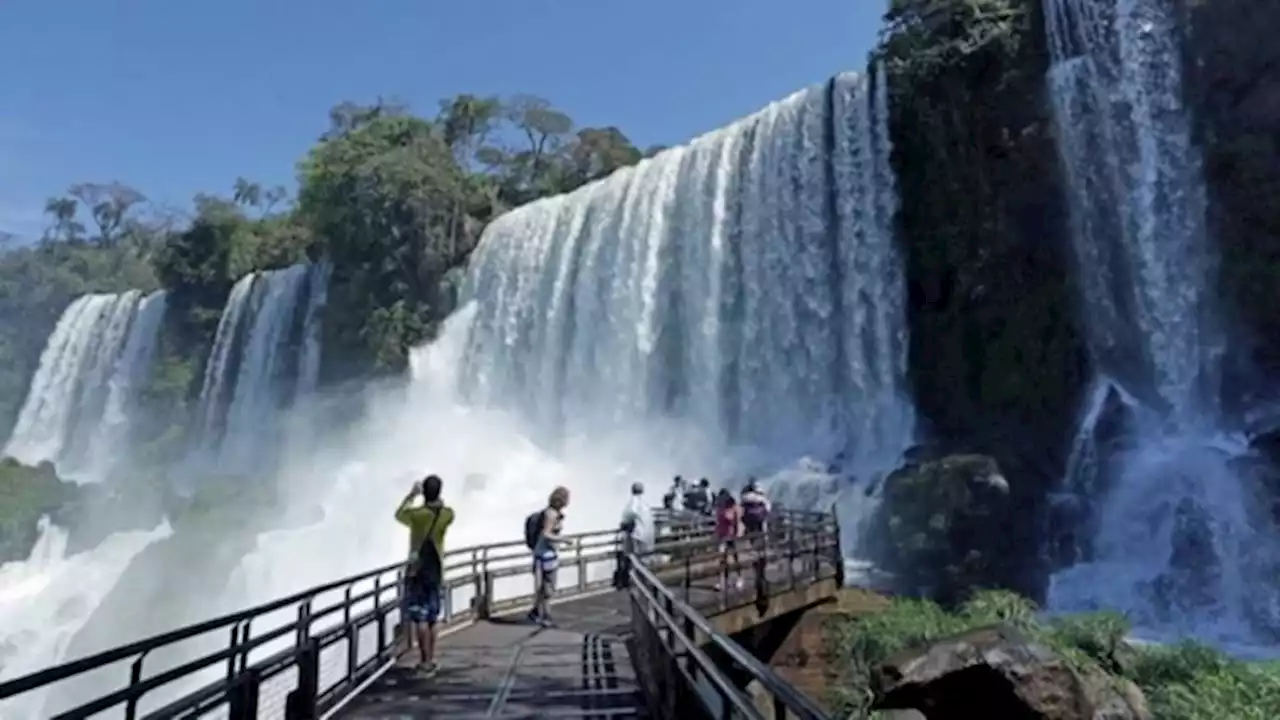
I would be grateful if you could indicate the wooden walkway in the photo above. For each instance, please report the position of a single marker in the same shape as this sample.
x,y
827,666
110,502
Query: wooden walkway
x,y
509,668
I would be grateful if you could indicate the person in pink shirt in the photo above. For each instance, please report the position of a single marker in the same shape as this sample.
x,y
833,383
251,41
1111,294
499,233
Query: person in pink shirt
x,y
728,526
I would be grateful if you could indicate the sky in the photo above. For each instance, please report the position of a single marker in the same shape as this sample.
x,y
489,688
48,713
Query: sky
x,y
175,97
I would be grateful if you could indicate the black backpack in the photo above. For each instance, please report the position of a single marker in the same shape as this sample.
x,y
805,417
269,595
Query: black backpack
x,y
533,528
696,500
428,571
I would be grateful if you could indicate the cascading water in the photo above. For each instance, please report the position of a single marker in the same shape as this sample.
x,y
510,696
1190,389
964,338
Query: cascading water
x,y
132,370
86,383
741,290
1174,543
744,290
46,599
254,369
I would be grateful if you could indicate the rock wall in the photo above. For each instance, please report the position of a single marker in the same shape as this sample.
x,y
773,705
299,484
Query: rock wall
x,y
1233,84
998,362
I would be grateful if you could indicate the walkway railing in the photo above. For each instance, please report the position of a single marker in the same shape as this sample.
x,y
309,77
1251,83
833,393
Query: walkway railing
x,y
672,637
301,656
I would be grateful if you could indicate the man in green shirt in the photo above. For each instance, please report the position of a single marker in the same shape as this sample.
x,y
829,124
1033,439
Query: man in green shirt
x,y
424,581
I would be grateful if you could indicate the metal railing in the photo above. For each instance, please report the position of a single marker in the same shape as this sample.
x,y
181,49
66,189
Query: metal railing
x,y
673,637
301,656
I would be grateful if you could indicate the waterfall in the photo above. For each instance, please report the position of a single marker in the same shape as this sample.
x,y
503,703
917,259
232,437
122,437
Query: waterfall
x,y
1174,539
263,357
742,290
86,384
132,371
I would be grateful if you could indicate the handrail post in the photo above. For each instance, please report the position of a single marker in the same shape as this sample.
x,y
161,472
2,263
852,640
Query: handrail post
x,y
487,582
837,552
688,574
300,704
135,677
380,617
580,561
479,603
243,703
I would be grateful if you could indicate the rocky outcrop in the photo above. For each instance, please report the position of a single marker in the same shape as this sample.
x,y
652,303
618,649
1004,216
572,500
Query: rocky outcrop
x,y
26,494
948,527
997,672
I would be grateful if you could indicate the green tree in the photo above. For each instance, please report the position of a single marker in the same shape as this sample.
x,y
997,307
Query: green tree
x,y
384,197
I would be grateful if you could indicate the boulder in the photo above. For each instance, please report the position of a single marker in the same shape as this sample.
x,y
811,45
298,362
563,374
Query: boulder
x,y
943,528
997,672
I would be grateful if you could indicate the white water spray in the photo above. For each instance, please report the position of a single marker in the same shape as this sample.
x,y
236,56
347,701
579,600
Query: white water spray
x,y
47,598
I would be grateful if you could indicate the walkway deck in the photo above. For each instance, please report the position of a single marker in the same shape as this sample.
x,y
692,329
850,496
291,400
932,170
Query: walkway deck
x,y
509,668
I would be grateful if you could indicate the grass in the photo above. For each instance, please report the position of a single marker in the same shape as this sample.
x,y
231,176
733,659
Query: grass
x,y
1181,682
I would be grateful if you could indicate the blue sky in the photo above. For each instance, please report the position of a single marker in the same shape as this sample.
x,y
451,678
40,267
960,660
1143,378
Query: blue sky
x,y
175,97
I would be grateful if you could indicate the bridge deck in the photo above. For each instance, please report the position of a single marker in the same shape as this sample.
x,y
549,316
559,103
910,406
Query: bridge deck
x,y
510,668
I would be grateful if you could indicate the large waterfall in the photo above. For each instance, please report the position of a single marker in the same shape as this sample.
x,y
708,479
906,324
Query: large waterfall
x,y
1172,537
266,352
743,290
80,404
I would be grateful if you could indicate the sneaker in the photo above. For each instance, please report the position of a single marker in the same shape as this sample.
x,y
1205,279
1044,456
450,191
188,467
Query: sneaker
x,y
426,671
737,583
545,622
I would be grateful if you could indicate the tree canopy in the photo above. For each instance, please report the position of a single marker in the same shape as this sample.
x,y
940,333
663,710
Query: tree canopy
x,y
394,200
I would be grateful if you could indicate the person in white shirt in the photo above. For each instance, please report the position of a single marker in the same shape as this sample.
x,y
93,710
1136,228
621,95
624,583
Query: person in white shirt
x,y
674,499
637,522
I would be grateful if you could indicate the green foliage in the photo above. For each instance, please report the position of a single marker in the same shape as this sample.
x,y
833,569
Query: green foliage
x,y
27,493
1183,682
396,202
38,281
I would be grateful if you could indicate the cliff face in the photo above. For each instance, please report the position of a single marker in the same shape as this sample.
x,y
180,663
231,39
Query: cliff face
x,y
1233,86
998,362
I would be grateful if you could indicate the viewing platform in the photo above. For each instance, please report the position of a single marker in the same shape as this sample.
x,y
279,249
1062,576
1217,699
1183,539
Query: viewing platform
x,y
667,635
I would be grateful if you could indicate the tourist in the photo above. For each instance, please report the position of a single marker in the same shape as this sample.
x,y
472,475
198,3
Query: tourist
x,y
637,523
542,535
698,498
755,511
674,499
424,578
728,527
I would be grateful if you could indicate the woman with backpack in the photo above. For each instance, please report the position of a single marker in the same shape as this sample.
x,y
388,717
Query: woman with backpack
x,y
728,520
542,534
755,512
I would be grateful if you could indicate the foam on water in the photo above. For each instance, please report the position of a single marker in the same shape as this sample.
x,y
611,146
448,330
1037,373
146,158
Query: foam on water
x,y
47,598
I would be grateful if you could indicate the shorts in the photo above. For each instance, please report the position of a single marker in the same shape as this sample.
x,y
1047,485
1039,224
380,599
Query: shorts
x,y
752,526
545,566
728,544
421,602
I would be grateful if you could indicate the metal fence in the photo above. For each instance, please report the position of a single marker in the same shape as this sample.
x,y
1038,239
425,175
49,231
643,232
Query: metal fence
x,y
673,638
300,656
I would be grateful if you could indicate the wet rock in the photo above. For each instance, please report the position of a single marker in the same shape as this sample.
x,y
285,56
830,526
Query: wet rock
x,y
997,672
942,528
